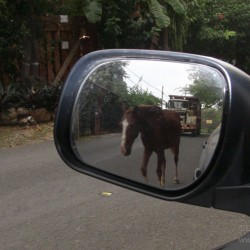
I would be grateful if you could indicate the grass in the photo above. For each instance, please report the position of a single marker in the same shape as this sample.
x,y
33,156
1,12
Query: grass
x,y
11,136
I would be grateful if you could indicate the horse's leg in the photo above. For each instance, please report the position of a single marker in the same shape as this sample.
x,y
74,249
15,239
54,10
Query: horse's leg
x,y
158,170
146,155
161,166
175,151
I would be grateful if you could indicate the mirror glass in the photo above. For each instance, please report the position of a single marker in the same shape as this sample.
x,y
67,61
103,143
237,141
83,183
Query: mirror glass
x,y
156,122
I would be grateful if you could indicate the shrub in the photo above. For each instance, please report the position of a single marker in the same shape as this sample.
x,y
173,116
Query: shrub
x,y
40,97
8,97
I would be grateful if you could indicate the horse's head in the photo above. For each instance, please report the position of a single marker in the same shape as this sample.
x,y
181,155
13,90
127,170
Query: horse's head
x,y
138,119
129,130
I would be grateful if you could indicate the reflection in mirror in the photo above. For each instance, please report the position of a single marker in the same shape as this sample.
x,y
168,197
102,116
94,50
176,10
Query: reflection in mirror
x,y
156,122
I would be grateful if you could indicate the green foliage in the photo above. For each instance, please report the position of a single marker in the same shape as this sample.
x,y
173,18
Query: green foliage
x,y
93,10
221,28
110,77
7,96
127,24
2,5
218,28
16,95
44,97
162,19
15,22
112,30
209,94
160,11
133,24
213,115
178,6
208,33
97,101
179,26
123,25
111,112
138,96
207,85
12,31
103,96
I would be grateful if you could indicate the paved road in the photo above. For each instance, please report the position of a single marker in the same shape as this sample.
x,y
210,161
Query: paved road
x,y
104,152
46,205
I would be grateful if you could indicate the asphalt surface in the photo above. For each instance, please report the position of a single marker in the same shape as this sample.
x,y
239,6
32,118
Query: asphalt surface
x,y
46,205
104,152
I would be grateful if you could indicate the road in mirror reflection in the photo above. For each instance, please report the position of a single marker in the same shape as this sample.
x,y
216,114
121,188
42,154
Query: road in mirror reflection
x,y
194,92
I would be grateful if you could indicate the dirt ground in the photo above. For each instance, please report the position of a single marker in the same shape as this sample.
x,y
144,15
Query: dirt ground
x,y
11,136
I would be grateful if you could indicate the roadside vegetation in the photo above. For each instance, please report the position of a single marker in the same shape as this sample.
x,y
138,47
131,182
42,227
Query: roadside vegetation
x,y
218,28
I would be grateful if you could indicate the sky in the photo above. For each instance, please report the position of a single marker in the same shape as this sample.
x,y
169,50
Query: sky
x,y
154,76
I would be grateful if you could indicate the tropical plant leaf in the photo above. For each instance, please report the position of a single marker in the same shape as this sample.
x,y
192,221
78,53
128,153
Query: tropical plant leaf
x,y
93,11
7,96
160,14
177,6
178,29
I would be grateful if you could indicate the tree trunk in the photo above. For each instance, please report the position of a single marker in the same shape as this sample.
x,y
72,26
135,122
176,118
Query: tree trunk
x,y
165,45
30,66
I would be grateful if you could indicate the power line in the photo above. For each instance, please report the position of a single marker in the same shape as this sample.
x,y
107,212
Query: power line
x,y
151,85
141,79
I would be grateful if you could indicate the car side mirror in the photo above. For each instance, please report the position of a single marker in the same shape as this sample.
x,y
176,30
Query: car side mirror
x,y
171,125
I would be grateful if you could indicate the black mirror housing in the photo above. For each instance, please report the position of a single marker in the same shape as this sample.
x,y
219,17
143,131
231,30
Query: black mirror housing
x,y
226,183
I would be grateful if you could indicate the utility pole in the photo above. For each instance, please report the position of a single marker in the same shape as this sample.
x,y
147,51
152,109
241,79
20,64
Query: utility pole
x,y
162,93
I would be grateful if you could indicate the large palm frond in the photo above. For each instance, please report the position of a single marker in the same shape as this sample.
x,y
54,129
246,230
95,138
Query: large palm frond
x,y
177,30
177,6
176,10
159,12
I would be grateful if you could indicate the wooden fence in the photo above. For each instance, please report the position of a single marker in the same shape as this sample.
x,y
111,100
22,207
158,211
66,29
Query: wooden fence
x,y
66,39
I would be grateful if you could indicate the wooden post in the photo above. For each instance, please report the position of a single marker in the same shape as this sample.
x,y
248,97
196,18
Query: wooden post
x,y
49,58
57,50
67,61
